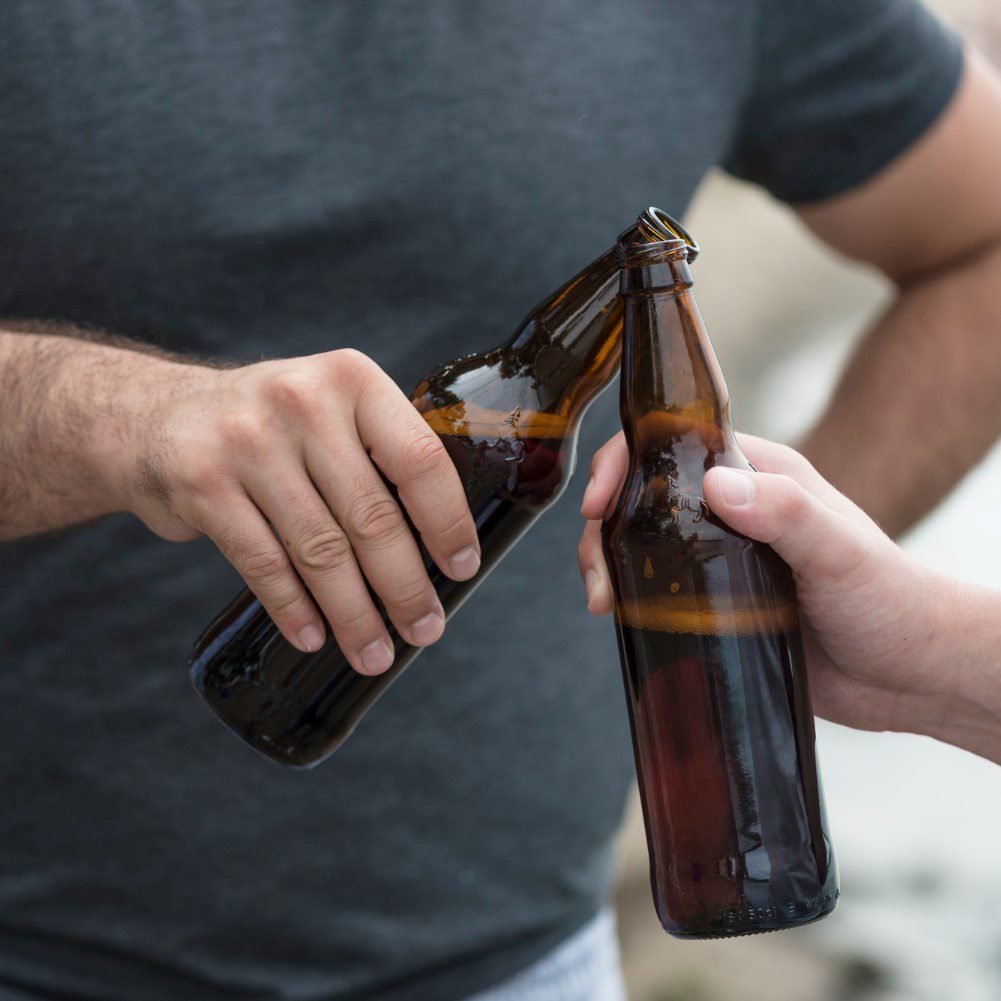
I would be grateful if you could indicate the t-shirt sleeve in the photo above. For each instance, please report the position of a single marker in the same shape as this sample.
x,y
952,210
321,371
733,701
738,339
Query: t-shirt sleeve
x,y
840,88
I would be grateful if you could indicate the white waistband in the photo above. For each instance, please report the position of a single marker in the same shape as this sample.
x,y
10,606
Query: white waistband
x,y
585,967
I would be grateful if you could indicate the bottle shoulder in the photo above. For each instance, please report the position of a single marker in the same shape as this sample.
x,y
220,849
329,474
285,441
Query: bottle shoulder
x,y
672,563
664,476
489,395
506,448
662,501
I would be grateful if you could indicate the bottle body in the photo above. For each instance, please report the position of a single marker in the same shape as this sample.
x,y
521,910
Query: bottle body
x,y
722,727
711,651
298,708
509,420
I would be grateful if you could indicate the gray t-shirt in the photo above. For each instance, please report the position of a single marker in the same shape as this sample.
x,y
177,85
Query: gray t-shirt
x,y
240,178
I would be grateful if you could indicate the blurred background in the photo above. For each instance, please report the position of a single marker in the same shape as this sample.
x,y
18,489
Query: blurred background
x,y
916,824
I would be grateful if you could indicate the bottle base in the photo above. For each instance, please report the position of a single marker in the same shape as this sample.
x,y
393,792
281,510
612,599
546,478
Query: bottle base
x,y
738,931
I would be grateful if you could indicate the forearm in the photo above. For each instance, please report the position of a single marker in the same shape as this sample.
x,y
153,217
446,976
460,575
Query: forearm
x,y
70,406
966,711
919,403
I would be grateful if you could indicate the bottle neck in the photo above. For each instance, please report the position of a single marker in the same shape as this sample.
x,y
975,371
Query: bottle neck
x,y
571,344
673,396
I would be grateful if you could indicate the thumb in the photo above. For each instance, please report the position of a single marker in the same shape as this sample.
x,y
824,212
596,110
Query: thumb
x,y
819,544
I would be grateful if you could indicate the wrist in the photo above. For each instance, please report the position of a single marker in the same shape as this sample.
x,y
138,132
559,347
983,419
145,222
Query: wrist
x,y
76,410
964,708
129,421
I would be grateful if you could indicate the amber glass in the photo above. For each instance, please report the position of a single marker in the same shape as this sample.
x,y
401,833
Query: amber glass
x,y
509,419
709,639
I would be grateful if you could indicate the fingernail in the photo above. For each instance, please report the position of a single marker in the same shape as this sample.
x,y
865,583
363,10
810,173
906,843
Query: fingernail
x,y
590,579
735,486
376,657
311,638
464,563
428,628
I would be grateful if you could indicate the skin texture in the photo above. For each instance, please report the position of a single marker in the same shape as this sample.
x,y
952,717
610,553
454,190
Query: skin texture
x,y
921,393
304,445
890,644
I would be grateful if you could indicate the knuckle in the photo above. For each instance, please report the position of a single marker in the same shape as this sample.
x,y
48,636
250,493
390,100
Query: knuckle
x,y
453,525
323,551
791,501
348,365
284,605
348,621
295,391
424,455
263,566
200,476
240,431
173,529
413,594
350,357
787,452
791,459
375,518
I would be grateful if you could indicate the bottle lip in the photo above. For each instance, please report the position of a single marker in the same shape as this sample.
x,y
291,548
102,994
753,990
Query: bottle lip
x,y
660,220
656,237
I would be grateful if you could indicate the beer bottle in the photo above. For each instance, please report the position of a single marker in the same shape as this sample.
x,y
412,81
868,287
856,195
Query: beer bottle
x,y
509,419
709,640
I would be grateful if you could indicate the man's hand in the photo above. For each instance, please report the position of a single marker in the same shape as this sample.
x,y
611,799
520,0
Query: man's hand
x,y
299,446
890,644
283,464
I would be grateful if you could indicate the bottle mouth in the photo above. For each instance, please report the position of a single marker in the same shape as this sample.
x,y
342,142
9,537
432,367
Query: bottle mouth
x,y
661,222
657,236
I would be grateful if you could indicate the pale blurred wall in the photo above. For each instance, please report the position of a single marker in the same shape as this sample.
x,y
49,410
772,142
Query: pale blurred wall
x,y
784,314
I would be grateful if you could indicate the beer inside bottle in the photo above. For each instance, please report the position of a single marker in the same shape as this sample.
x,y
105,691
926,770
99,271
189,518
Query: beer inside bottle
x,y
509,419
709,639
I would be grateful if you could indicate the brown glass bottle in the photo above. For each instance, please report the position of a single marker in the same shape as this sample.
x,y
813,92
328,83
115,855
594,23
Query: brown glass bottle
x,y
509,419
709,638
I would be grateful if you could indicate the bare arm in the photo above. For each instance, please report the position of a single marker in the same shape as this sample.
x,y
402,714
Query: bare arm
x,y
69,401
280,463
920,401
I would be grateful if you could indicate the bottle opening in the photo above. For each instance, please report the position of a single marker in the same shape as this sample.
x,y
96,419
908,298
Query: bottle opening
x,y
656,238
655,254
660,221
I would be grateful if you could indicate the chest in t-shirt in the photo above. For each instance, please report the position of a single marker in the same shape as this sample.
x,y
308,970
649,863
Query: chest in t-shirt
x,y
168,153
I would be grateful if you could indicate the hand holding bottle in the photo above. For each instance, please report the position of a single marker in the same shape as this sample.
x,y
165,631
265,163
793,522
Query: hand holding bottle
x,y
890,644
302,445
505,421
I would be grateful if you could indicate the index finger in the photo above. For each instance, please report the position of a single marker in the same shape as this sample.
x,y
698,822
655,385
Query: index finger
x,y
412,456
